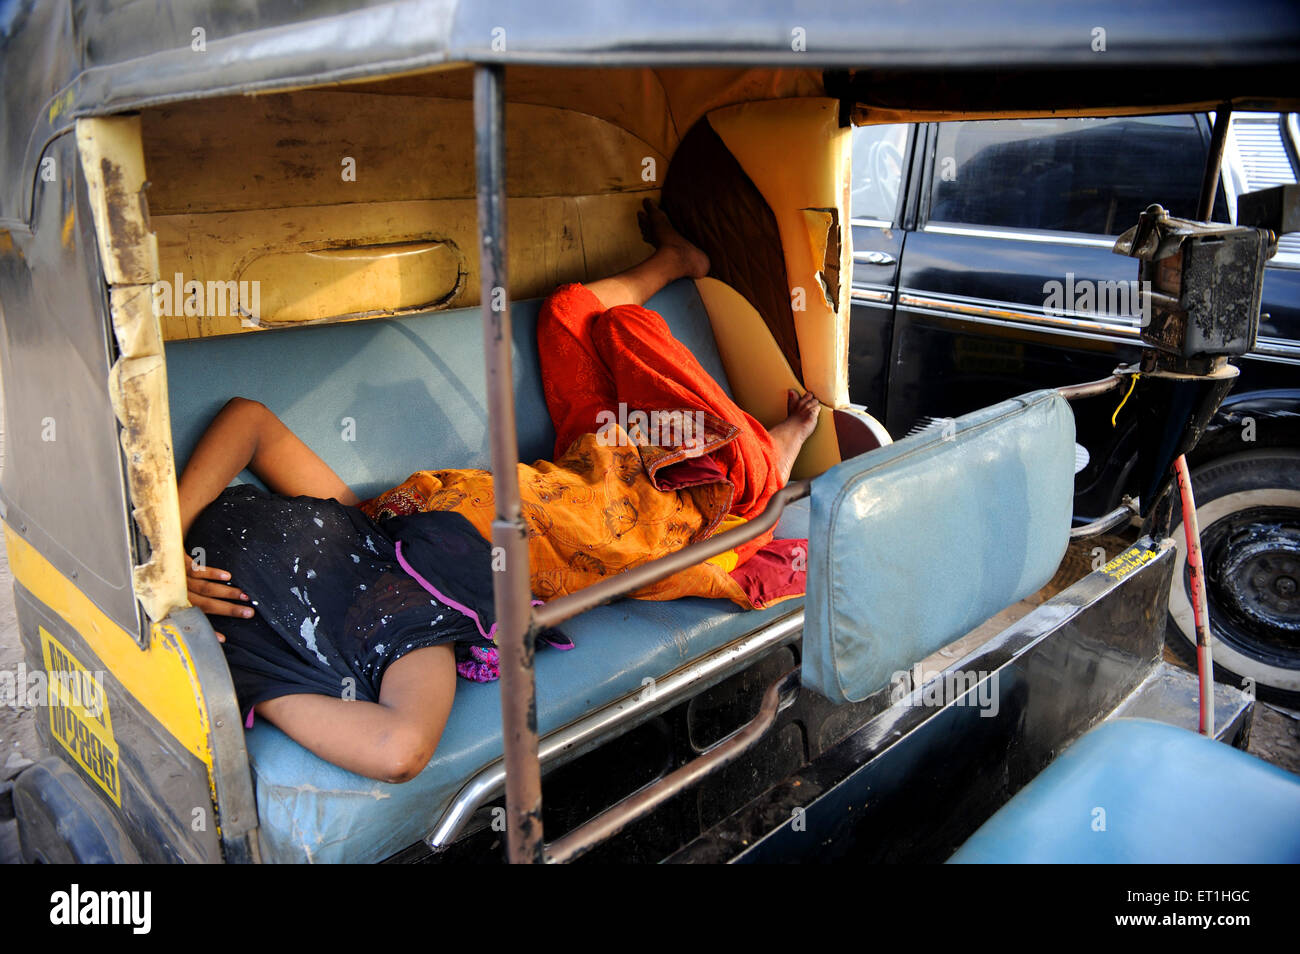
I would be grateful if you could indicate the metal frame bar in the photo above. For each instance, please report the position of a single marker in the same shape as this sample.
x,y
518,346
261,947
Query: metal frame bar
x,y
570,605
1214,163
512,595
618,717
1075,392
1116,518
618,816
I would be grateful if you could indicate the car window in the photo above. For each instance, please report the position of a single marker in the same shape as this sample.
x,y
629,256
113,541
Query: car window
x,y
877,172
1261,153
1066,175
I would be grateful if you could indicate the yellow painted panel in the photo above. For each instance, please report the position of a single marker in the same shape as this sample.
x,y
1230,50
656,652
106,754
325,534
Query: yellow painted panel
x,y
325,147
161,676
552,240
759,373
324,284
798,156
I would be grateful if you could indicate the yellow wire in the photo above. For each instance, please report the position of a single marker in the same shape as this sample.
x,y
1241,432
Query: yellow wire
x,y
1131,386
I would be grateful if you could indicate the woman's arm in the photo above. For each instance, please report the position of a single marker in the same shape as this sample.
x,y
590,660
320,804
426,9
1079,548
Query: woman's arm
x,y
246,434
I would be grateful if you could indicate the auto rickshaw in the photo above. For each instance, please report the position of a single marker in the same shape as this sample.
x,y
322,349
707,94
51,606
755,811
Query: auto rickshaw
x,y
351,215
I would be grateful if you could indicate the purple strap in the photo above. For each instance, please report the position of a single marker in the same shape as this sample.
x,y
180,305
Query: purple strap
x,y
489,634
562,643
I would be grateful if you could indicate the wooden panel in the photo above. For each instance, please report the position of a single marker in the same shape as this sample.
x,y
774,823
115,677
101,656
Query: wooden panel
x,y
551,240
319,147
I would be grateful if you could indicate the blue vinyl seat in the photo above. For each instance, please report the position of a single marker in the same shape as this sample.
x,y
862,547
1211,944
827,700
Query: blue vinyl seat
x,y
1137,791
379,400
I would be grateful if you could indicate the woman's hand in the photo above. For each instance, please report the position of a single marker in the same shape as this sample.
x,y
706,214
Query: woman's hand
x,y
213,597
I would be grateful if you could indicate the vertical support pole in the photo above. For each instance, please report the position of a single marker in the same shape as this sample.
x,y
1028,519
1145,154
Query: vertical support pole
x,y
1213,163
512,593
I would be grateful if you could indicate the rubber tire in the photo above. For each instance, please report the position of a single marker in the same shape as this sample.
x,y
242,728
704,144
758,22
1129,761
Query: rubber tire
x,y
61,821
1270,478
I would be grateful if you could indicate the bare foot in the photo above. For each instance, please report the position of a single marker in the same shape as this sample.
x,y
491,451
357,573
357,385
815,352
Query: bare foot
x,y
659,232
791,433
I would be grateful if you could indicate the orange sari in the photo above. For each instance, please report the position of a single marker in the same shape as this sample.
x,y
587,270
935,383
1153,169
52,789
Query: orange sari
x,y
623,491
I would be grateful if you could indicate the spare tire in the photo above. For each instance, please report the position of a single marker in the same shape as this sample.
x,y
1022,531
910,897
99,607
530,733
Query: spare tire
x,y
1248,508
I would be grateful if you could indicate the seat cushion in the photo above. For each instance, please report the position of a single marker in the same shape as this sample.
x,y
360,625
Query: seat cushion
x,y
975,515
379,400
1138,791
383,398
310,810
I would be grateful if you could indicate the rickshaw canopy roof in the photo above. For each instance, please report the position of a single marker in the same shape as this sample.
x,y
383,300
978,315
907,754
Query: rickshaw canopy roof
x,y
887,60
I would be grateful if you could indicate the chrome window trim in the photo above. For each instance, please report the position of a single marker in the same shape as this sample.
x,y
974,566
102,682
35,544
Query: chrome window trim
x,y
873,294
872,223
982,307
988,312
1276,349
1017,235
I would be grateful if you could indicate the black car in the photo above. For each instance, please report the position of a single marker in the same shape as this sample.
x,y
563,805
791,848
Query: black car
x,y
983,264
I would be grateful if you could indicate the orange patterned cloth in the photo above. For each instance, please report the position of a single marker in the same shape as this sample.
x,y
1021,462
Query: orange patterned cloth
x,y
623,491
590,514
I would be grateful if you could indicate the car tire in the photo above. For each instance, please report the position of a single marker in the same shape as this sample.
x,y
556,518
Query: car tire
x,y
1248,509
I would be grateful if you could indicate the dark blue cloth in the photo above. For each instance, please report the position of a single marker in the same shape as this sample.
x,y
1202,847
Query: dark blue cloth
x,y
334,608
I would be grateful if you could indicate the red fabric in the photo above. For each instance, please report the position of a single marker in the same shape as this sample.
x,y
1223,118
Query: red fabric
x,y
775,573
593,359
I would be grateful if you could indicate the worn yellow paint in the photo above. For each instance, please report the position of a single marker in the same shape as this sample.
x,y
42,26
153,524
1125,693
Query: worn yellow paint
x,y
799,158
112,161
69,221
759,374
325,147
332,283
160,676
60,104
553,239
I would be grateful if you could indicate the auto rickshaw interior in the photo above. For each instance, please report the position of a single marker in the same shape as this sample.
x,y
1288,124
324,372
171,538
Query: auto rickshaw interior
x,y
350,213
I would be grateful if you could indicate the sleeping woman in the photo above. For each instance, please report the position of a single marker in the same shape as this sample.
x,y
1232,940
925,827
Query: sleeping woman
x,y
346,622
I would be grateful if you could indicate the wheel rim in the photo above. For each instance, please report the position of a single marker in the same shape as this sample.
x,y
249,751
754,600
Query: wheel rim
x,y
1254,636
1252,576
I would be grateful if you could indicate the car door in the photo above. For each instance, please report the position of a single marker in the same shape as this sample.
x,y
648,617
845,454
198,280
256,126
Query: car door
x,y
882,161
1010,284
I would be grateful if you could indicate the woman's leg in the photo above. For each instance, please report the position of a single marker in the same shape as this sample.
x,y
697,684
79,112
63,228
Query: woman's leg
x,y
674,257
576,381
390,740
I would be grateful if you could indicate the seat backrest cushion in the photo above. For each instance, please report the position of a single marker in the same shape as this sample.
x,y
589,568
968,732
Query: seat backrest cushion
x,y
918,542
380,399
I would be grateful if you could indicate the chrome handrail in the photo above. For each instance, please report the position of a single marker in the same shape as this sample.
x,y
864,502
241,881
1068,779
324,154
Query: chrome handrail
x,y
591,730
571,604
779,696
1117,517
